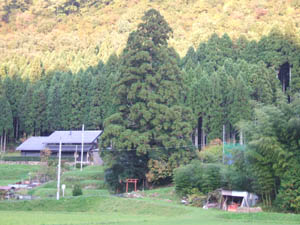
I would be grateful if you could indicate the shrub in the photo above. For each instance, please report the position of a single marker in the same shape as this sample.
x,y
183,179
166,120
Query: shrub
x,y
236,179
288,198
199,176
77,190
34,158
161,171
187,178
211,178
211,154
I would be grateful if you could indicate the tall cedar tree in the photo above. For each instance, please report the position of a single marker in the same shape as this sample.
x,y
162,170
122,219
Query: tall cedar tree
x,y
27,110
39,100
6,121
80,99
14,89
65,100
149,119
54,104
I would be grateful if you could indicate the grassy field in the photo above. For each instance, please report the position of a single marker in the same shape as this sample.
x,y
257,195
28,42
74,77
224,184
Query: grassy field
x,y
91,180
96,206
115,210
10,174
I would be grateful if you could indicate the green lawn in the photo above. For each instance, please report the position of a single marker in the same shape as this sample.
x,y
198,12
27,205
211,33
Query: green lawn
x,y
10,174
114,210
91,179
97,206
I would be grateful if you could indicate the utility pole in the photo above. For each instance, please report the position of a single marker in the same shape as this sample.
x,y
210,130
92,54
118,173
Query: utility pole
x,y
82,138
75,156
58,172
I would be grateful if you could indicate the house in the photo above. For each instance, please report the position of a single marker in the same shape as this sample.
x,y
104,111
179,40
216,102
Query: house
x,y
71,144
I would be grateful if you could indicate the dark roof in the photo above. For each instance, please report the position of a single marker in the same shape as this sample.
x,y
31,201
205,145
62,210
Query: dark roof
x,y
67,138
73,137
33,143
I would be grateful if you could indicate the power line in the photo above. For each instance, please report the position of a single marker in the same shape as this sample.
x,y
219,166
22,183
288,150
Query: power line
x,y
157,148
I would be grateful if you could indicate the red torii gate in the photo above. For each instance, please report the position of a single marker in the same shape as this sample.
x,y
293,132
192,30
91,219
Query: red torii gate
x,y
131,181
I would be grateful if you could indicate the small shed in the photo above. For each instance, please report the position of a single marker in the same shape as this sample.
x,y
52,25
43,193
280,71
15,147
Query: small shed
x,y
235,201
231,200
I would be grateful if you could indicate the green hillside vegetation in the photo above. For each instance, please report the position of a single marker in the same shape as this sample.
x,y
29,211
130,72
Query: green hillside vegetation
x,y
37,36
90,179
158,109
11,174
115,210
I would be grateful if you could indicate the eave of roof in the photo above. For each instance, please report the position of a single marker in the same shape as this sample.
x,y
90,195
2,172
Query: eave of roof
x,y
67,137
32,143
73,137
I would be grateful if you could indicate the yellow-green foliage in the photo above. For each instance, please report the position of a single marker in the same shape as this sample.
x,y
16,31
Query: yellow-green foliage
x,y
56,34
211,154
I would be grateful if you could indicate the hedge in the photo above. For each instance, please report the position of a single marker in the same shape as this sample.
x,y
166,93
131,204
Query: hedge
x,y
33,158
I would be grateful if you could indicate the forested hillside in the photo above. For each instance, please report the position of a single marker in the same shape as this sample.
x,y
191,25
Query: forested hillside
x,y
46,35
157,105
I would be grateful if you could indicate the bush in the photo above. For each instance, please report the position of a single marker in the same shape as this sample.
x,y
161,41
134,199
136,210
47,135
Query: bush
x,y
235,179
77,190
288,198
211,179
197,176
33,158
211,154
22,158
187,178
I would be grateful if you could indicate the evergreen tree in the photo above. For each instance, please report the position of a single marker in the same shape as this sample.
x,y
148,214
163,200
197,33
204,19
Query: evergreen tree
x,y
199,99
216,111
27,110
101,95
148,119
263,83
6,121
80,99
14,89
39,104
65,88
54,104
240,107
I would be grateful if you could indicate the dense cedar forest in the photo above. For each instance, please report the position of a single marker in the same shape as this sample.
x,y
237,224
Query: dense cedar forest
x,y
158,108
221,81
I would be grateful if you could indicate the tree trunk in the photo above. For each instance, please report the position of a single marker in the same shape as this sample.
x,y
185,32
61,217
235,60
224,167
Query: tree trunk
x,y
233,137
241,137
196,138
203,139
1,143
4,146
17,129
